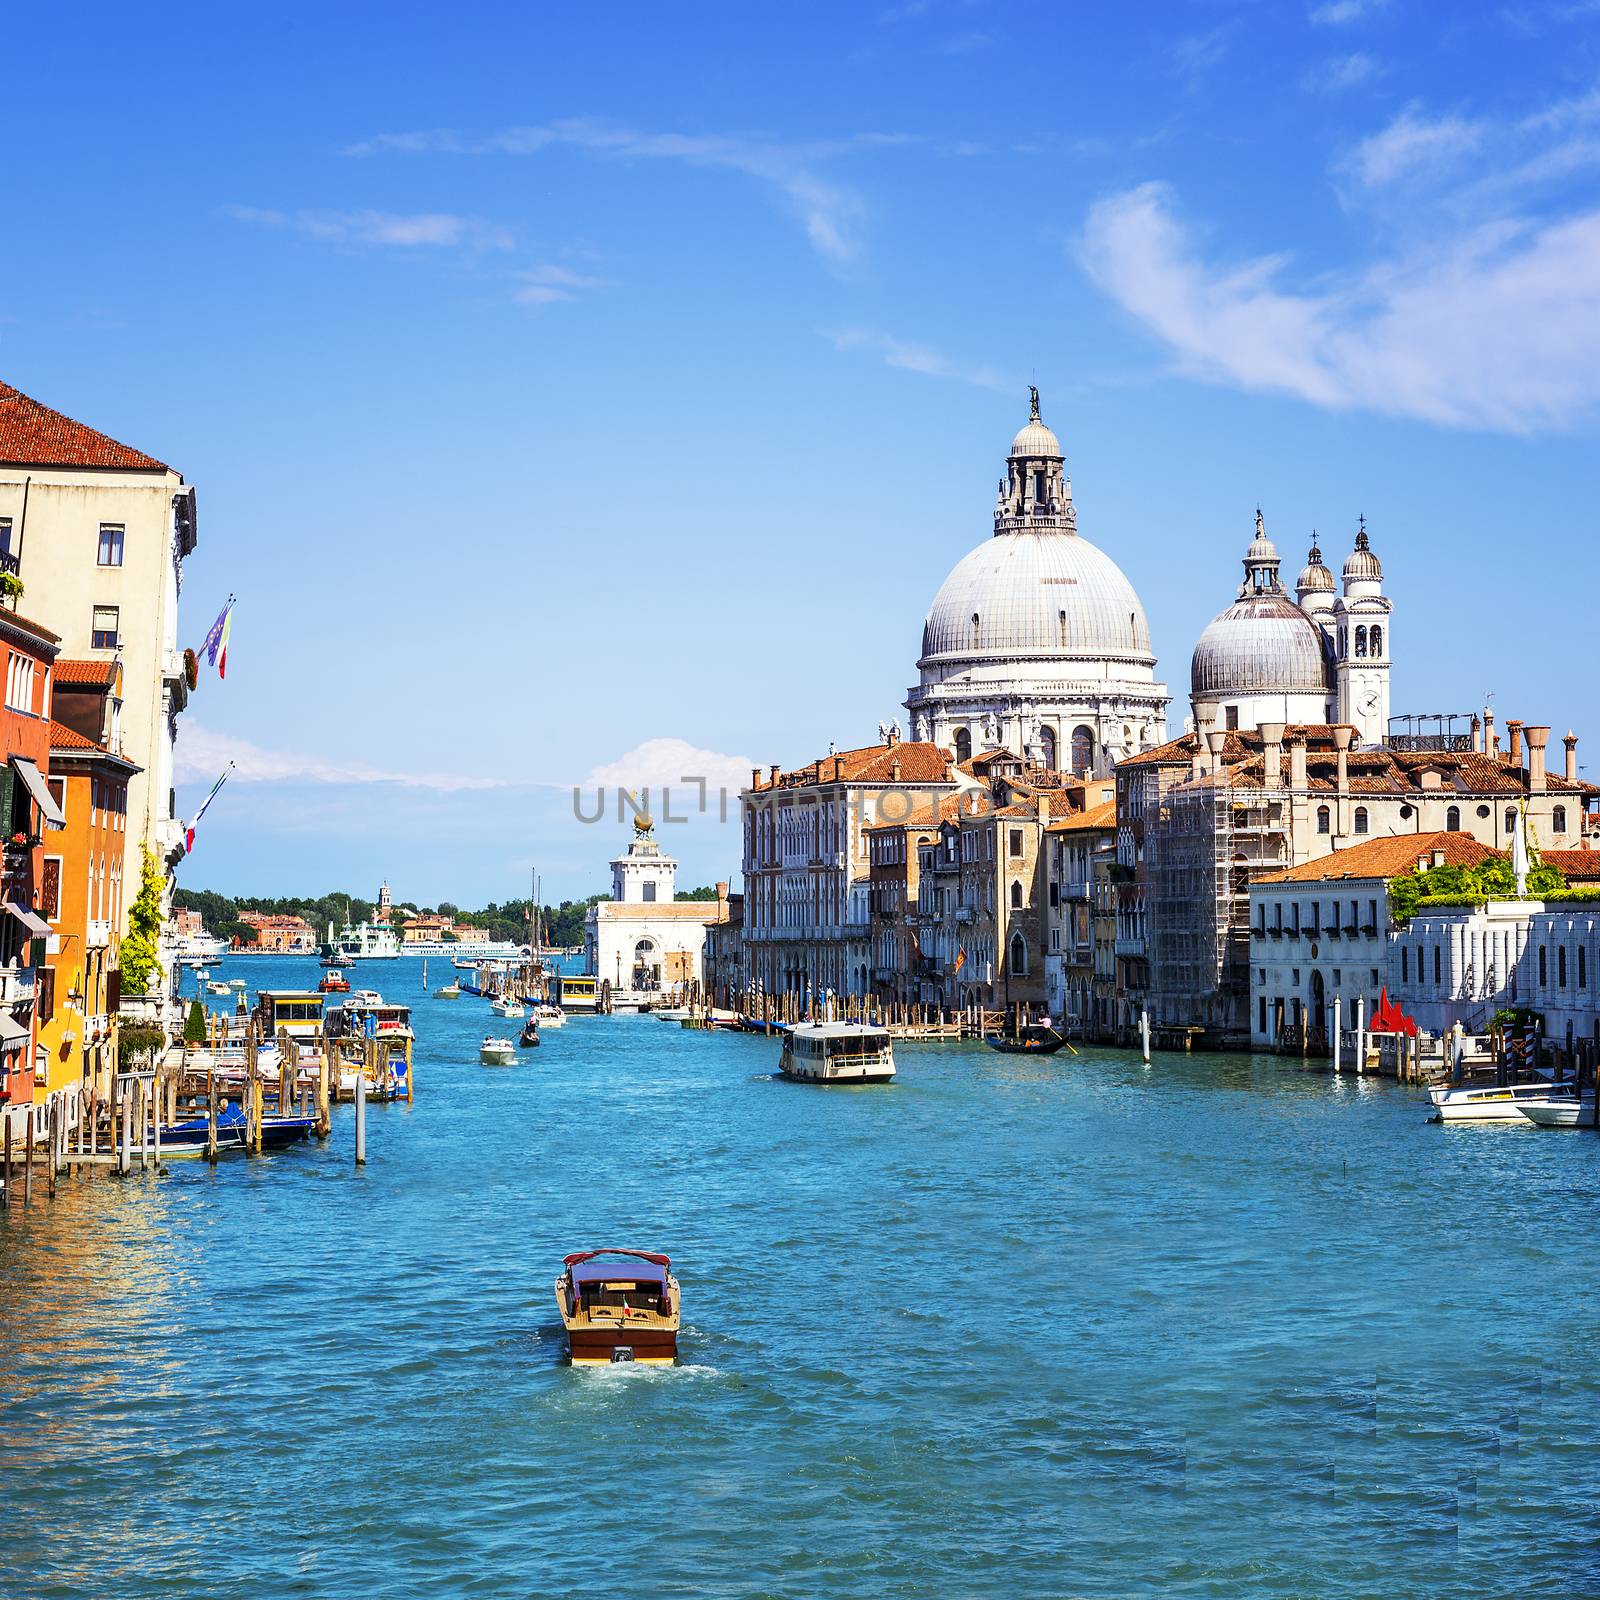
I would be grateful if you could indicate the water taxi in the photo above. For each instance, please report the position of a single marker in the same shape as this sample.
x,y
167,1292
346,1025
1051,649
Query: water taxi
x,y
333,982
507,1007
497,1053
548,1016
1490,1102
619,1310
837,1052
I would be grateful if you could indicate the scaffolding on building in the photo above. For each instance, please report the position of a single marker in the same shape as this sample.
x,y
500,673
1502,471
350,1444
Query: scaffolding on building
x,y
1204,839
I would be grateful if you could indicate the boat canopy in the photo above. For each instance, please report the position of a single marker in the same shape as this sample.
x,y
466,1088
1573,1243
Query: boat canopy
x,y
610,1270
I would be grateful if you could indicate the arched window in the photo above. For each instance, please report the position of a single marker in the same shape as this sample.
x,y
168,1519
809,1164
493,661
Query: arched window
x,y
1361,819
1019,955
1377,641
1452,819
1047,747
1558,820
1016,895
1082,751
1324,820
1361,641
963,745
1511,819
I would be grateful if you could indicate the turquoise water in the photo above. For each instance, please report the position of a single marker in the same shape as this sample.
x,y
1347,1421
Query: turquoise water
x,y
1065,1327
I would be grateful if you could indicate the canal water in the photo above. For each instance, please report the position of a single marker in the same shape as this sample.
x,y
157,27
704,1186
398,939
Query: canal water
x,y
1059,1327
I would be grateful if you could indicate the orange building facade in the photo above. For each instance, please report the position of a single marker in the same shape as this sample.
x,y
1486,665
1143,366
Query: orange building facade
x,y
82,895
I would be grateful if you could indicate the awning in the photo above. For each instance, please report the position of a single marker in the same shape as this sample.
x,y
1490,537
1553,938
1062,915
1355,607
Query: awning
x,y
11,1031
40,791
31,920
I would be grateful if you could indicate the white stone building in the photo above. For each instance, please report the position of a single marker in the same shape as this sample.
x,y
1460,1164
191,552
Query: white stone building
x,y
98,532
1037,642
1317,659
642,940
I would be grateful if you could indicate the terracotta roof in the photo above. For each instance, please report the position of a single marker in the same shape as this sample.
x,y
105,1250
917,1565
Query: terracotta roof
x,y
1090,821
65,738
920,762
1236,742
32,435
1576,865
101,674
1387,858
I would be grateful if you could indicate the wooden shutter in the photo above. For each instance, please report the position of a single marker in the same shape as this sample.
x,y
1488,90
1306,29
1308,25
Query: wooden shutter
x,y
45,993
50,888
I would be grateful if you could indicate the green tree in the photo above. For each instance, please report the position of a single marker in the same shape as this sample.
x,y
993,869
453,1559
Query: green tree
x,y
144,930
194,1025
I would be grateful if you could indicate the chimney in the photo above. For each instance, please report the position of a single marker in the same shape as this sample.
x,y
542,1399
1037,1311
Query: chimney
x,y
722,896
1538,738
1514,740
1044,811
894,734
1216,738
1438,858
1297,766
755,777
894,768
1272,753
772,781
1491,739
1571,742
1341,741
1477,733
1197,761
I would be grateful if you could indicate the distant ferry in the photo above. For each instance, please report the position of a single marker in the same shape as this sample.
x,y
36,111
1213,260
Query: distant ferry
x,y
475,948
366,941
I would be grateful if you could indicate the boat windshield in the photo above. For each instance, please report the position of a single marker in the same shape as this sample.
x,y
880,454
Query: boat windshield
x,y
860,1044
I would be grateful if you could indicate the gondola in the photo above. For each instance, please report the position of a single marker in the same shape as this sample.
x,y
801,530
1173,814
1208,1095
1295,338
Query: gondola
x,y
1044,1043
529,1037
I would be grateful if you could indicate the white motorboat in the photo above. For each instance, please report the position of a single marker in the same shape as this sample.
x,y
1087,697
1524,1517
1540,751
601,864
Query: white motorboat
x,y
497,1053
548,1016
671,1013
507,1008
1559,1111
837,1052
1492,1102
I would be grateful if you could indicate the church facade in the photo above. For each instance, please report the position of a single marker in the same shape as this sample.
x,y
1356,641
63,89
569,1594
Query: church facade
x,y
1320,658
1036,642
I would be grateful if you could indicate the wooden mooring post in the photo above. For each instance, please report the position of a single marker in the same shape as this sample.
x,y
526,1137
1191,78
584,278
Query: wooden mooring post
x,y
211,1115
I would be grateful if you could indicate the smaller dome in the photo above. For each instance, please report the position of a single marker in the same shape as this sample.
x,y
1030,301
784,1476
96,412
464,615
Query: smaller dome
x,y
1261,643
1035,440
1314,577
1361,562
1261,549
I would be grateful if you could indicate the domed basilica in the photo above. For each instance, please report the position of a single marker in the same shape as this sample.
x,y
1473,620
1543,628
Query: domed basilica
x,y
1268,659
1036,642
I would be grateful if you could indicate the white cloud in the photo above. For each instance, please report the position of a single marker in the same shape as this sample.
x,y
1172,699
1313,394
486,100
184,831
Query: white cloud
x,y
546,284
1341,72
907,356
428,228
1412,146
673,763
830,212
1497,327
1336,13
202,754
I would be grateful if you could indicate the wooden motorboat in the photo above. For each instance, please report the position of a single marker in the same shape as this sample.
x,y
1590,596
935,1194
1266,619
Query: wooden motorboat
x,y
1031,1042
447,991
497,1053
1490,1102
837,1052
1559,1111
625,1310
506,1007
529,1037
548,1016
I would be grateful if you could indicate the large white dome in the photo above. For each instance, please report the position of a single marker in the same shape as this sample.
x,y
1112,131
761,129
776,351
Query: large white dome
x,y
1037,594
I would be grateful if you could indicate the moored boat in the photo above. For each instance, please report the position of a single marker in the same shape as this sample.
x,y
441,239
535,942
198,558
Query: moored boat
x,y
1559,1111
447,991
1492,1102
497,1053
625,1310
837,1052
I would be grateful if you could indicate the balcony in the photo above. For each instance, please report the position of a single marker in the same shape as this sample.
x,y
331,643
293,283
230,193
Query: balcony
x,y
964,914
16,986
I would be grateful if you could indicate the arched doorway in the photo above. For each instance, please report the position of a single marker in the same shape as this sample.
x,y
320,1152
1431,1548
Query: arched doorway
x,y
963,745
646,965
1047,747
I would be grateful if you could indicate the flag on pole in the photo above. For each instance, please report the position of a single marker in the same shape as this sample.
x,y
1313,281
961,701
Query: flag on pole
x,y
222,657
217,636
188,833
961,960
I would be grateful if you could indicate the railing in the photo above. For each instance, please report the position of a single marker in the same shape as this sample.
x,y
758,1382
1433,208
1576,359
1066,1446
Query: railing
x,y
16,985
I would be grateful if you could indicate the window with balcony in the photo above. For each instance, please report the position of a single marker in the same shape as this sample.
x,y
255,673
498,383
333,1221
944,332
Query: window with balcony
x,y
105,628
110,553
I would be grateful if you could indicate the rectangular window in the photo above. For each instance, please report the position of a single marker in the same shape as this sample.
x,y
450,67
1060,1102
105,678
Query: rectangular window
x,y
110,544
44,993
50,889
1436,977
58,792
5,536
105,628
1231,717
1016,841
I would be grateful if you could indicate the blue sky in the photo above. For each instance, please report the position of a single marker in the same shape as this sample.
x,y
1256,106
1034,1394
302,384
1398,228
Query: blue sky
x,y
558,381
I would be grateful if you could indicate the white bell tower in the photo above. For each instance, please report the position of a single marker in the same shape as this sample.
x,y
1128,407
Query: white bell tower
x,y
646,874
1362,644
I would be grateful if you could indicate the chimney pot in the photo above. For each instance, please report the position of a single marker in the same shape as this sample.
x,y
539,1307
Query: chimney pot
x,y
1537,738
1297,765
774,775
755,777
1571,742
1272,753
1514,740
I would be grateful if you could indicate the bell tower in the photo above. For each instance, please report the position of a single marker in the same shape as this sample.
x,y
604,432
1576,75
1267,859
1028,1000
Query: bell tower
x,y
1362,643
